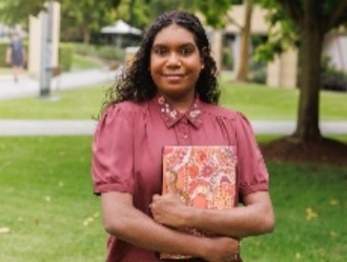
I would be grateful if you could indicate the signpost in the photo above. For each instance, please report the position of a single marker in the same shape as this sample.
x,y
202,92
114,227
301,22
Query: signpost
x,y
46,50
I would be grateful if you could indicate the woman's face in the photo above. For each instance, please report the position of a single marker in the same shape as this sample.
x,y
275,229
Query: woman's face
x,y
175,62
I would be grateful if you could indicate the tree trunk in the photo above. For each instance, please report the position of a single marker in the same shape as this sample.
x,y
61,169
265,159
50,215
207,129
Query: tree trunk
x,y
86,35
131,11
308,111
242,72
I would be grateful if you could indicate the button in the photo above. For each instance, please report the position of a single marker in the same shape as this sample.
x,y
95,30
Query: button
x,y
185,136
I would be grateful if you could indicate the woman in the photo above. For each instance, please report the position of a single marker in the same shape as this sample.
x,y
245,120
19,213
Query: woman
x,y
169,96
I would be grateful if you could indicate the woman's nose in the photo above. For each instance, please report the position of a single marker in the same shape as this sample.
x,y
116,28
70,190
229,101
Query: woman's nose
x,y
173,60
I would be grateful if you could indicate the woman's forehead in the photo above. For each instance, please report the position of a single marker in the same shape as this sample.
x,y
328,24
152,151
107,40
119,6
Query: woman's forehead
x,y
174,34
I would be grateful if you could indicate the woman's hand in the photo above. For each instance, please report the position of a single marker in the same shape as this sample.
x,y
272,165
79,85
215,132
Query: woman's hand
x,y
169,210
222,249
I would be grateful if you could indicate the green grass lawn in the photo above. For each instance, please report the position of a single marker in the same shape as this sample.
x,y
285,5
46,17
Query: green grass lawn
x,y
257,102
48,212
310,206
80,62
82,103
47,202
262,102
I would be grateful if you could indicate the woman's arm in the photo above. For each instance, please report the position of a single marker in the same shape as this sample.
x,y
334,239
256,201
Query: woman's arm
x,y
125,222
254,218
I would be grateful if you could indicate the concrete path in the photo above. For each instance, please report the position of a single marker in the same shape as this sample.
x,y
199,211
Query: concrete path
x,y
46,127
87,127
288,127
27,86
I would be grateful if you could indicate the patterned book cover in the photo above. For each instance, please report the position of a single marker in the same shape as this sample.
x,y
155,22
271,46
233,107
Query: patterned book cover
x,y
203,176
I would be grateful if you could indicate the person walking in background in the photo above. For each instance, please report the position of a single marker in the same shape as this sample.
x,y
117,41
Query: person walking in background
x,y
15,55
169,96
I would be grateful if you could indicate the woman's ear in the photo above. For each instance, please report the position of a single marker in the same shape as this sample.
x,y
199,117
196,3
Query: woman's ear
x,y
203,55
202,61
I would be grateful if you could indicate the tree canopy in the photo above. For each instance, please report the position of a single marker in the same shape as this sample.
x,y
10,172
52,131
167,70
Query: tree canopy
x,y
17,11
305,23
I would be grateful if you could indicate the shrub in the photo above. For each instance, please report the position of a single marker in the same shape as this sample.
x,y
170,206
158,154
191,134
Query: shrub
x,y
3,47
332,78
227,59
334,81
109,53
84,49
65,56
257,72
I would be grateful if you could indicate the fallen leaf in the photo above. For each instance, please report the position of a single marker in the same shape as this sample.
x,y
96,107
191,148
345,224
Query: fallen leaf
x,y
310,213
87,221
333,234
334,202
48,198
5,230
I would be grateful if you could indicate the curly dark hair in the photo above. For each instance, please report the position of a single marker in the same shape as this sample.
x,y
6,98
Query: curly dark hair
x,y
136,84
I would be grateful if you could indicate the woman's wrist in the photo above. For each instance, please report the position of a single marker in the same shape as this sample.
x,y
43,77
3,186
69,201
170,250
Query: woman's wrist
x,y
204,247
191,217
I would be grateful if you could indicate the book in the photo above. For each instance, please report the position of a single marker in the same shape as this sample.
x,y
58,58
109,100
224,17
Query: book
x,y
203,177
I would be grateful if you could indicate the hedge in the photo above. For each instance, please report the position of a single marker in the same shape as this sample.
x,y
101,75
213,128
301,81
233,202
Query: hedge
x,y
65,55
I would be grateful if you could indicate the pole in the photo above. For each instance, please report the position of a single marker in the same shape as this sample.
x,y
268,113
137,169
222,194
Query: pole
x,y
46,50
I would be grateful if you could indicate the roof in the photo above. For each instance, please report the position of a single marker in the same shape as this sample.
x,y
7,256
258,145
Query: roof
x,y
120,27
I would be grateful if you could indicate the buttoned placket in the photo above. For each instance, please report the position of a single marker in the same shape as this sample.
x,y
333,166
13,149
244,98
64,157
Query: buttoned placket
x,y
183,132
182,124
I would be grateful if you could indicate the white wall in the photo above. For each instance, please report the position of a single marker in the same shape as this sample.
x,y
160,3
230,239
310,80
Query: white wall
x,y
335,47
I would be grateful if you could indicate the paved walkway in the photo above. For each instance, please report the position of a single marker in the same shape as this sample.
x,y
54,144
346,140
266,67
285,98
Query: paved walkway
x,y
29,87
87,127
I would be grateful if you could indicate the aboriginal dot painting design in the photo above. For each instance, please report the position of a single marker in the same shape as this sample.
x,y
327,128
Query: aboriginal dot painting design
x,y
203,176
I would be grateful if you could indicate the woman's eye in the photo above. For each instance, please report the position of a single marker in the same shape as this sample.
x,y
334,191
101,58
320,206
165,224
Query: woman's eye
x,y
186,51
160,51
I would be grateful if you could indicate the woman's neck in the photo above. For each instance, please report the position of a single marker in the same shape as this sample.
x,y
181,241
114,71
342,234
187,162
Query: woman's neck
x,y
182,105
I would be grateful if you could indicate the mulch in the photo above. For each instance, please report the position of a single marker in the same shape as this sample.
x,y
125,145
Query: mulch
x,y
326,151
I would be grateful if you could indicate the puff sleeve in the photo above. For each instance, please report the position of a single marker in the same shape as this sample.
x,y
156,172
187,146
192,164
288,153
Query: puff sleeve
x,y
112,152
252,173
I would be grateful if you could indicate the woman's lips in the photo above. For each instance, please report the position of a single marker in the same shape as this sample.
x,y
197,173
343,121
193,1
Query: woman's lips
x,y
173,77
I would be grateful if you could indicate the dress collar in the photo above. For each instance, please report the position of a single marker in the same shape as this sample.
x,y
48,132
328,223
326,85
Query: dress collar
x,y
171,116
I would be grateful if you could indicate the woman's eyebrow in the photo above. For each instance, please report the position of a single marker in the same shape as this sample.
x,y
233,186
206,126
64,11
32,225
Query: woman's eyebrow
x,y
186,44
158,45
